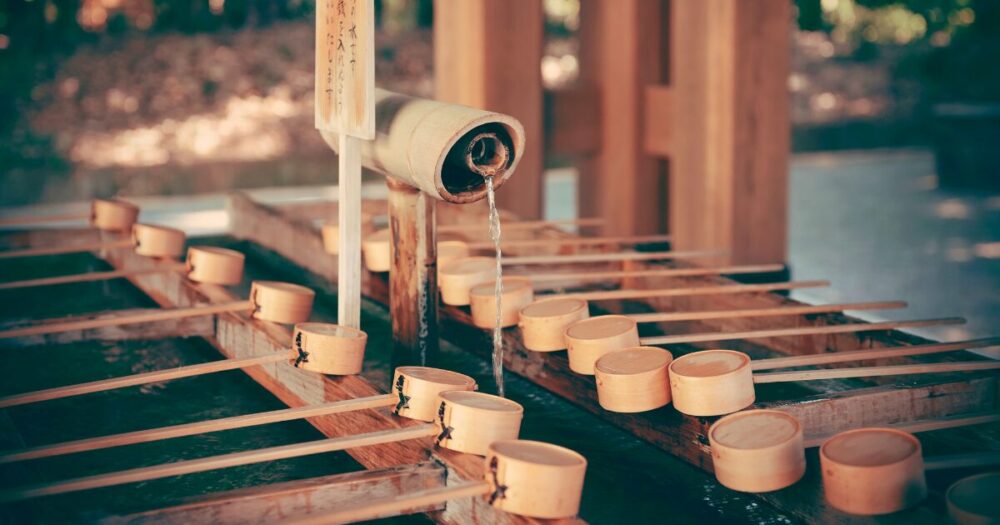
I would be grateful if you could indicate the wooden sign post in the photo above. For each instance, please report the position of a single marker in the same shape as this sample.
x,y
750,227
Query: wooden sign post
x,y
345,103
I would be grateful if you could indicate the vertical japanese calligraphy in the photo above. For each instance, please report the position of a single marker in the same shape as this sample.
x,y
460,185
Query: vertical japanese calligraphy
x,y
345,67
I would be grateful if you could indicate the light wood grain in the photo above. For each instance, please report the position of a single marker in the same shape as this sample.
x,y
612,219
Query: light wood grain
x,y
608,257
667,272
924,425
41,219
621,240
199,427
349,219
807,330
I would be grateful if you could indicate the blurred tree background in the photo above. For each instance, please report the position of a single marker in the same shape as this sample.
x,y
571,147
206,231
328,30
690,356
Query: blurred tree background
x,y
865,73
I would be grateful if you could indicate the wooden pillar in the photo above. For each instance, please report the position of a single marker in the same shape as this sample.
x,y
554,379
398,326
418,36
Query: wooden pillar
x,y
729,158
487,54
413,303
621,54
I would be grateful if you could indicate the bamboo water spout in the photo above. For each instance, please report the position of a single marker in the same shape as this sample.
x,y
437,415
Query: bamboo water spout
x,y
429,150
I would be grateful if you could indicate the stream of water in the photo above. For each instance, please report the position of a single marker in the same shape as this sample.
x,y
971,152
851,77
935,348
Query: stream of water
x,y
498,290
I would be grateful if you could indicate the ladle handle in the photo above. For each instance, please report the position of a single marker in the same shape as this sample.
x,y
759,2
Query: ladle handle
x,y
235,459
40,219
608,295
525,225
805,330
876,353
142,379
199,427
664,272
924,425
148,317
72,248
404,504
609,257
91,276
663,317
873,371
975,459
572,241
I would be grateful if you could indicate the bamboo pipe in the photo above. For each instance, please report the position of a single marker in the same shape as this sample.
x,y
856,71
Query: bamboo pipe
x,y
419,387
269,301
91,276
526,478
717,382
763,450
467,422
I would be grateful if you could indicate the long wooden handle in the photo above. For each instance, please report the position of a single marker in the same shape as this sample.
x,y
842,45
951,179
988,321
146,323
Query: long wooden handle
x,y
608,295
763,312
524,225
667,272
141,379
404,504
72,248
974,459
91,276
804,330
198,427
924,425
873,371
48,327
218,462
609,257
572,241
40,219
875,353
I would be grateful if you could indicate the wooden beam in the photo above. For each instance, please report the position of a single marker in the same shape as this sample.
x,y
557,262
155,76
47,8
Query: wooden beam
x,y
573,121
488,54
822,406
658,133
236,335
280,501
729,169
620,56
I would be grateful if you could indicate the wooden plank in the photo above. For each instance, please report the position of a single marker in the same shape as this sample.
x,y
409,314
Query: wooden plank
x,y
658,133
620,56
488,54
280,501
573,121
729,169
188,327
236,335
17,239
832,406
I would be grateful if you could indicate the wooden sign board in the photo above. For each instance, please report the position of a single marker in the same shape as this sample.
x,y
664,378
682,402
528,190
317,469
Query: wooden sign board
x,y
345,67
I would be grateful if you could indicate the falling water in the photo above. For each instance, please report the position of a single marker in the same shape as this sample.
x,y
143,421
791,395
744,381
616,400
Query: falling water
x,y
497,330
